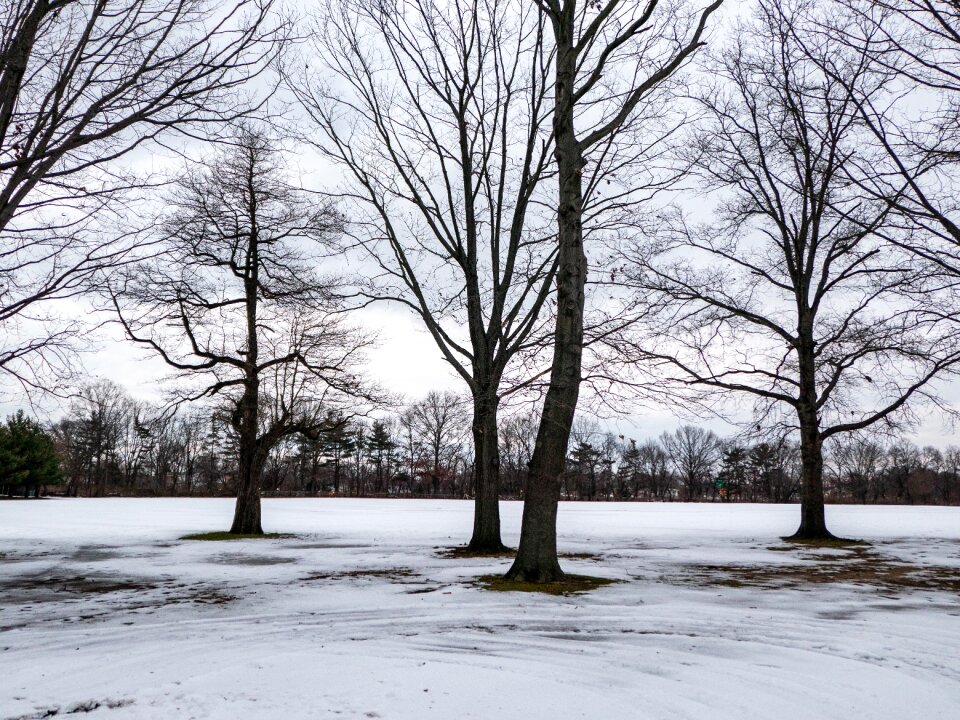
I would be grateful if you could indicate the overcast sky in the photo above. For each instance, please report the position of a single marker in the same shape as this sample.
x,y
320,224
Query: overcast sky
x,y
406,361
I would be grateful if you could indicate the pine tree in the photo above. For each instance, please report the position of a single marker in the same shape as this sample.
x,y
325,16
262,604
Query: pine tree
x,y
28,458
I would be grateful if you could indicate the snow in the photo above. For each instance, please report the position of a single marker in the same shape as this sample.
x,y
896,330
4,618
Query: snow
x,y
104,611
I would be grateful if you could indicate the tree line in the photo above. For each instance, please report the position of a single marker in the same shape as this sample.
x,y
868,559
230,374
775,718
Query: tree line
x,y
613,199
111,444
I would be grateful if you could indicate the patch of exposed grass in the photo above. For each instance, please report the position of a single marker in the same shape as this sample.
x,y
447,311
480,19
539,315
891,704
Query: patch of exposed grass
x,y
464,551
570,585
593,557
75,584
835,542
864,571
397,574
215,536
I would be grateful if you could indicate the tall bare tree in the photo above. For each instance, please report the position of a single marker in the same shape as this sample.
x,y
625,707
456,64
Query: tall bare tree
x,y
235,305
694,453
438,113
439,420
793,294
915,127
612,60
84,84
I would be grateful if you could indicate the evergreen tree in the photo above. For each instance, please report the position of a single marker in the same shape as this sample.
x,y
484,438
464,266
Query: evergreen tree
x,y
380,446
28,458
339,442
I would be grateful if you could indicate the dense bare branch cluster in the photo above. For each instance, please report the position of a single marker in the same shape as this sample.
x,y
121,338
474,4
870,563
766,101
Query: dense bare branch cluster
x,y
85,84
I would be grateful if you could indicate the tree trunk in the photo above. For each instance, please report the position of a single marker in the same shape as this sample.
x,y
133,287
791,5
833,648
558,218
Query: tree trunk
x,y
486,469
246,516
536,559
813,522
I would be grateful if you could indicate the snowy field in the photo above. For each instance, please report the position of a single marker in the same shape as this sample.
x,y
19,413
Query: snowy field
x,y
105,613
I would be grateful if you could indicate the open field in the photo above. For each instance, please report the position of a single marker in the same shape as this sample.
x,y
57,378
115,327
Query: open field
x,y
359,613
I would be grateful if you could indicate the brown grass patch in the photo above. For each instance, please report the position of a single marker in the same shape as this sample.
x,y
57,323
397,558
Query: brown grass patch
x,y
862,570
464,552
219,536
840,543
570,585
593,557
397,575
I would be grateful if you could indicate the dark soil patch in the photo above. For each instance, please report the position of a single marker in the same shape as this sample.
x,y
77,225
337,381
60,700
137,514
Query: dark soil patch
x,y
111,594
861,570
38,587
593,557
78,709
425,590
841,543
7,557
203,597
95,553
570,585
252,560
329,546
463,551
216,536
395,575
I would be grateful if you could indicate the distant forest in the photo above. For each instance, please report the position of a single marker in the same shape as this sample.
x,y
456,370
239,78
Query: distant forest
x,y
110,444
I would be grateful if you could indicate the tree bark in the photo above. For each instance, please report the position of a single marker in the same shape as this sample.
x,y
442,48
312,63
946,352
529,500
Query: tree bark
x,y
246,516
813,522
486,468
536,559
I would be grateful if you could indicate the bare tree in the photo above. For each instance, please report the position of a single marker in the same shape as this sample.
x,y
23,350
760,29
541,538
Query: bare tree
x,y
694,453
915,125
83,84
439,419
516,447
235,306
612,59
794,295
437,112
645,469
858,461
90,437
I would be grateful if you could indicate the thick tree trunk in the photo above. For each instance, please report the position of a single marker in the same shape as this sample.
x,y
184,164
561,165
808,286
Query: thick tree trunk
x,y
813,522
486,468
537,555
246,516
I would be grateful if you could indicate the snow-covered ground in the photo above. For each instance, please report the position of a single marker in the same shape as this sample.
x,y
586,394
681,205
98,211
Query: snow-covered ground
x,y
103,609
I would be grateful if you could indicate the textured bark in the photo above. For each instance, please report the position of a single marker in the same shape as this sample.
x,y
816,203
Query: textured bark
x,y
246,518
536,559
486,468
246,515
813,523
